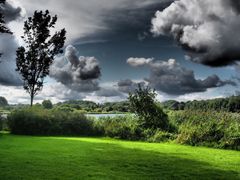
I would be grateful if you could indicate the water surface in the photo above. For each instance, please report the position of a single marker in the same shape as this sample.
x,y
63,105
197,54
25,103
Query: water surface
x,y
97,116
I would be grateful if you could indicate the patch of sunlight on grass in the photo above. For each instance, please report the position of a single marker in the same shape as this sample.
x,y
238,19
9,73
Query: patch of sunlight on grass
x,y
26,157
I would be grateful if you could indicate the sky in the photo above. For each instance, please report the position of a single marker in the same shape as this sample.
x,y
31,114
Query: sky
x,y
184,49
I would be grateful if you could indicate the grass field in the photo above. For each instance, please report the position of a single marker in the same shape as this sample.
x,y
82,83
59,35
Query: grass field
x,y
23,157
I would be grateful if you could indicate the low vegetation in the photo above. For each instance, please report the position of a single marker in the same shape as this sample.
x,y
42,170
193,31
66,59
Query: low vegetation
x,y
213,129
149,122
39,121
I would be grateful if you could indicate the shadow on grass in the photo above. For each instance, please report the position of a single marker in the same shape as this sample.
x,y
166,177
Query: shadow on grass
x,y
66,158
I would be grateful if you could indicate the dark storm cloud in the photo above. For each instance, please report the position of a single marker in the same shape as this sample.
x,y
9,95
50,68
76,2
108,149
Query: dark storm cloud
x,y
8,75
8,46
237,93
128,86
236,78
77,73
96,20
10,11
234,4
205,29
108,92
170,77
128,22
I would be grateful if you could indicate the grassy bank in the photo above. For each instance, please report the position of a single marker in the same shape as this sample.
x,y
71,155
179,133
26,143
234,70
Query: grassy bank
x,y
26,157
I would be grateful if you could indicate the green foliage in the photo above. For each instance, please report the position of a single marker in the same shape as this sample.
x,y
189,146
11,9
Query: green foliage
x,y
116,106
230,104
151,116
92,107
1,124
47,104
3,102
173,105
34,60
79,104
39,121
29,121
65,108
123,127
158,135
213,129
127,127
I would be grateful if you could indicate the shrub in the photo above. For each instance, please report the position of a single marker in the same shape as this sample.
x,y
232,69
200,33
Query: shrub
x,y
71,123
3,102
123,127
213,129
39,121
160,136
47,104
150,114
29,121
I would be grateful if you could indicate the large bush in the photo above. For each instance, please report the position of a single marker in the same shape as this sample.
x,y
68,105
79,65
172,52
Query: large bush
x,y
39,121
123,127
128,127
213,129
3,101
150,114
47,104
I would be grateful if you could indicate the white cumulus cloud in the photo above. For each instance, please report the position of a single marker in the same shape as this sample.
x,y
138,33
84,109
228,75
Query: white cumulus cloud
x,y
206,29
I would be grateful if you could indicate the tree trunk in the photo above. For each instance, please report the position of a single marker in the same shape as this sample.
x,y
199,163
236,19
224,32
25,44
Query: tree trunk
x,y
32,100
32,94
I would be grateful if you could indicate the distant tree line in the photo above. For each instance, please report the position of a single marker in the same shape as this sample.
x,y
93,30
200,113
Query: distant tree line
x,y
230,104
90,106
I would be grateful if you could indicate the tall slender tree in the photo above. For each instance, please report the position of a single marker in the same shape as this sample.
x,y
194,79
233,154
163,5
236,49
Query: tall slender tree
x,y
34,60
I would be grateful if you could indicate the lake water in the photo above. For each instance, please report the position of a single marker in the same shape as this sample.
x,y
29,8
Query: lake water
x,y
97,116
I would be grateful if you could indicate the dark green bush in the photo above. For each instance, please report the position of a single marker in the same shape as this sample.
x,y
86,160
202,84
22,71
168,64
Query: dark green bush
x,y
47,104
39,121
150,114
29,121
71,123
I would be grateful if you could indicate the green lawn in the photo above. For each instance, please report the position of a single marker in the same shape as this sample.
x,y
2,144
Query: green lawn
x,y
23,157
